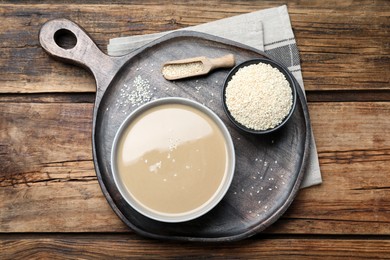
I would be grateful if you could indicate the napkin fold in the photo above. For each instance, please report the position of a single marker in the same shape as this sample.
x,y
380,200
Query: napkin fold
x,y
268,30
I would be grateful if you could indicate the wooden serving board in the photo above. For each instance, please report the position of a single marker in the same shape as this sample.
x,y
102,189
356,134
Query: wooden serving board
x,y
269,168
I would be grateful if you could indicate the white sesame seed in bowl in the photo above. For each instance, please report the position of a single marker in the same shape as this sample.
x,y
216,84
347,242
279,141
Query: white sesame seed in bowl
x,y
259,96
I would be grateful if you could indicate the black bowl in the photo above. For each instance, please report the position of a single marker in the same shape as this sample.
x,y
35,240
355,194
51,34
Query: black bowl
x,y
289,78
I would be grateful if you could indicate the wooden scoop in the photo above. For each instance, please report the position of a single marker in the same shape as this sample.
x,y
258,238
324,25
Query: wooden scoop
x,y
191,67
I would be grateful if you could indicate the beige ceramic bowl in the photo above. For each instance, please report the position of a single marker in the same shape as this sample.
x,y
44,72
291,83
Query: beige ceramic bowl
x,y
212,201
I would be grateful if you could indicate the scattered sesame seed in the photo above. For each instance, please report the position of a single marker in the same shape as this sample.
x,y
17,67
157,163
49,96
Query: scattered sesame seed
x,y
136,94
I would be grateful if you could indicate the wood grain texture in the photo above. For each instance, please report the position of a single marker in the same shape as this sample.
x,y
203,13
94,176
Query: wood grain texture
x,y
131,246
359,59
52,168
47,180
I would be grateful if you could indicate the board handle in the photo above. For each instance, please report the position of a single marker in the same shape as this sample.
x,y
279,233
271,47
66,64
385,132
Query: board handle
x,y
83,52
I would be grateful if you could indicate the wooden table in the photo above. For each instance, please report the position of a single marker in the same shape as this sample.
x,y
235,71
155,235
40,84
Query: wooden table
x,y
51,204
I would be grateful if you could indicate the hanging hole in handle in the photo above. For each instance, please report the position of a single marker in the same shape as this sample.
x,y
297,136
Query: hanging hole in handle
x,y
65,39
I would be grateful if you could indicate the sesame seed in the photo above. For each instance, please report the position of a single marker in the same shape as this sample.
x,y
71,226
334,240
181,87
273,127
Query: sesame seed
x,y
182,70
259,96
136,94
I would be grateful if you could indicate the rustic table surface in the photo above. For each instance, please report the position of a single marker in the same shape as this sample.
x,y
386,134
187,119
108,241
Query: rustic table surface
x,y
51,204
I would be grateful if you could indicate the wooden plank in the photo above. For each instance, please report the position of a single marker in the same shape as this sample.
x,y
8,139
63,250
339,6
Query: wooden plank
x,y
358,60
48,183
103,246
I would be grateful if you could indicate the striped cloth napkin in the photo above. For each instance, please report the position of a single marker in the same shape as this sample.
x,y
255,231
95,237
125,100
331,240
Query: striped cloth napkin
x,y
268,30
